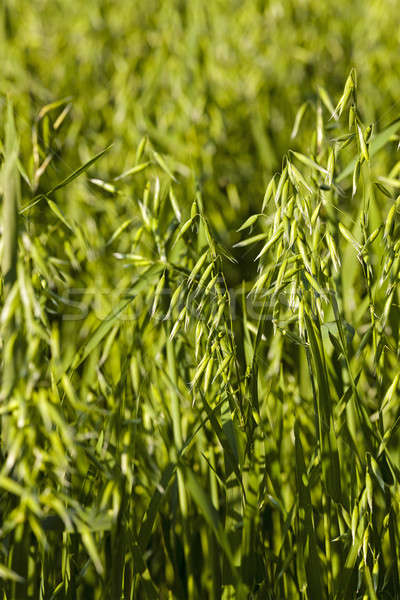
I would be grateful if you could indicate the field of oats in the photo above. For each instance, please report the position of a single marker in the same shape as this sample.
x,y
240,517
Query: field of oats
x,y
200,271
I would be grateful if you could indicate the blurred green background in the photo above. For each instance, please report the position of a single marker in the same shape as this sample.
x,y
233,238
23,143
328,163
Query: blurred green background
x,y
214,84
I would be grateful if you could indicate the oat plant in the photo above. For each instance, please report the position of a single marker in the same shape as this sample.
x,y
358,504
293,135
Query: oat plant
x,y
167,435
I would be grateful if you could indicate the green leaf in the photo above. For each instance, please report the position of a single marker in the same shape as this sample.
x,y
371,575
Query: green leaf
x,y
6,573
208,511
57,211
78,172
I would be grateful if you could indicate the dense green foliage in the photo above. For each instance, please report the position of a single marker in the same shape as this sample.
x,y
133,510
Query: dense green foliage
x,y
189,411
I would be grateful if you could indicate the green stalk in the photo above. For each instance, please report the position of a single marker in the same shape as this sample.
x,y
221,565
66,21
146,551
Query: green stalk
x,y
10,179
178,441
